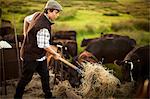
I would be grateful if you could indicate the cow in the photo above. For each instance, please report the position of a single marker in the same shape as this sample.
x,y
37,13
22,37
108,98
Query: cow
x,y
68,40
69,35
138,58
135,67
6,28
85,56
62,71
69,47
86,41
11,38
110,47
1,38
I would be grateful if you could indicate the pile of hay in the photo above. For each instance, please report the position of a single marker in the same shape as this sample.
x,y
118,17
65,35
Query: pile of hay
x,y
34,88
65,90
96,82
125,90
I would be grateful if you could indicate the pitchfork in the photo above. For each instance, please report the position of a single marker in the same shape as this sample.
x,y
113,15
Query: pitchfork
x,y
68,63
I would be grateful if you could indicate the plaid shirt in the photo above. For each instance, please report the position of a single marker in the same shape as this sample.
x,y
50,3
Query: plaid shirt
x,y
43,38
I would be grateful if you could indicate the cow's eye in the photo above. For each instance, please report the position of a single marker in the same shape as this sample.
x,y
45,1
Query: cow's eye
x,y
126,62
138,60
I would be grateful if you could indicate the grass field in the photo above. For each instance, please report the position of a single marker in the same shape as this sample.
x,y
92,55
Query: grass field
x,y
89,17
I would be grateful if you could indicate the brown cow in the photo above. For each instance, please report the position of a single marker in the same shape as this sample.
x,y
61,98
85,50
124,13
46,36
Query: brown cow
x,y
86,56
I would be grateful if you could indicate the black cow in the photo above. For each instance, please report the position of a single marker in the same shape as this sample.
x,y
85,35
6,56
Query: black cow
x,y
137,63
86,41
6,28
110,48
135,67
11,38
1,38
68,40
69,35
69,47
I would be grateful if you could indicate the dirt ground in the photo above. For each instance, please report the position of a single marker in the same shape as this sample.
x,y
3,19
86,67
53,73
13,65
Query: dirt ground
x,y
34,89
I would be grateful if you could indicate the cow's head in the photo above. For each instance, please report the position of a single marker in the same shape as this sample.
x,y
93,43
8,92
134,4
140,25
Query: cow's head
x,y
126,68
130,69
136,63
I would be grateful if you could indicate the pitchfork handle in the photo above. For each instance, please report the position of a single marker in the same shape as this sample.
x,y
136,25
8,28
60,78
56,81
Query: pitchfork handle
x,y
71,65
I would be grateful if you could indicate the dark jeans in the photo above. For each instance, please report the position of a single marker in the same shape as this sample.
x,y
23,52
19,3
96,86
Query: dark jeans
x,y
29,68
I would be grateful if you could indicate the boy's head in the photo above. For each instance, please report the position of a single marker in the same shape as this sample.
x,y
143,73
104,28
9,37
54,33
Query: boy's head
x,y
52,4
52,9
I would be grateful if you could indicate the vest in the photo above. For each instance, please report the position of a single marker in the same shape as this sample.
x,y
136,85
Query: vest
x,y
30,50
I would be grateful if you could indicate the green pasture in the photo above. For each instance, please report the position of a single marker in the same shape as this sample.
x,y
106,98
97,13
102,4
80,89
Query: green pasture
x,y
88,17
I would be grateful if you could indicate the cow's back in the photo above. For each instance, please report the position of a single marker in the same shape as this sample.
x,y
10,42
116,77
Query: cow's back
x,y
111,49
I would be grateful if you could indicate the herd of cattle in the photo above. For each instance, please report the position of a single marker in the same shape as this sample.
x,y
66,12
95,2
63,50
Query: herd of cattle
x,y
108,48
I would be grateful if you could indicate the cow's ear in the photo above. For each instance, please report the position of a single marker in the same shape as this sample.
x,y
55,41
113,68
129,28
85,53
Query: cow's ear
x,y
118,62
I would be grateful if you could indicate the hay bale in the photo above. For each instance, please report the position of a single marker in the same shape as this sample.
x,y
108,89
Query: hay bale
x,y
97,81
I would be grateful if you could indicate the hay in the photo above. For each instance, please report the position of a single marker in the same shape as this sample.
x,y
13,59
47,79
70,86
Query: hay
x,y
65,90
34,88
125,90
97,81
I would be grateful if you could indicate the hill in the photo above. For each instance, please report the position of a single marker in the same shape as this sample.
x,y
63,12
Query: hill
x,y
89,17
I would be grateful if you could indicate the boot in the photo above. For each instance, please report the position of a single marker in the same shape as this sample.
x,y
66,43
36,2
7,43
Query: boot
x,y
19,93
